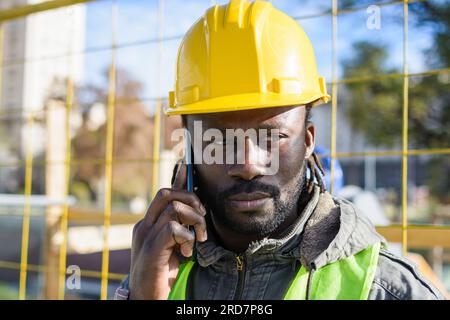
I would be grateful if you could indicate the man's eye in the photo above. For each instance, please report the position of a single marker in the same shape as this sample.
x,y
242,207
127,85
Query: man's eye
x,y
274,138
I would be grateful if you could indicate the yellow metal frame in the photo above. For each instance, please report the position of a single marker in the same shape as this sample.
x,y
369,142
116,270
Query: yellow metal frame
x,y
353,154
109,157
334,91
2,33
65,215
409,235
26,215
18,112
22,11
405,132
158,106
421,237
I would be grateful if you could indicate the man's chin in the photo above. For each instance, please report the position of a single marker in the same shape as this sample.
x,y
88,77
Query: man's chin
x,y
257,223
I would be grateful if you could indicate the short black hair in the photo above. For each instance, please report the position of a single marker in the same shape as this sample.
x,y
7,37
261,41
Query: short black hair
x,y
308,114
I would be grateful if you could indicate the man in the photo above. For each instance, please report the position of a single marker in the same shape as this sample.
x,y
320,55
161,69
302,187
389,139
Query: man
x,y
259,233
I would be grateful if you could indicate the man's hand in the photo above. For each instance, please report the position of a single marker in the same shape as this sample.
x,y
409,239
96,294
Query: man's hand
x,y
162,232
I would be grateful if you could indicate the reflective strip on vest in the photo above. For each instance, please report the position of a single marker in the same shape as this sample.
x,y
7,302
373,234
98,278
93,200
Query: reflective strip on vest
x,y
347,279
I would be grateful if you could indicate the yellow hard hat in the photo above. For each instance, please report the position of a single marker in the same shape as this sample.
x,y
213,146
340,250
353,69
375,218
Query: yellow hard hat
x,y
245,55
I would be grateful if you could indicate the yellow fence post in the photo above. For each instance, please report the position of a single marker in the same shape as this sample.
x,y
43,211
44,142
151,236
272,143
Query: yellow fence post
x,y
333,93
67,163
26,212
65,213
109,157
158,107
2,34
405,132
24,10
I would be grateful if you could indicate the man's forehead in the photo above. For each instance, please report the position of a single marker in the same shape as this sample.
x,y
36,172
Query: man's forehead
x,y
269,118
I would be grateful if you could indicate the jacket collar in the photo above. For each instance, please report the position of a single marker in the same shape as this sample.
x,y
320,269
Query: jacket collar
x,y
336,231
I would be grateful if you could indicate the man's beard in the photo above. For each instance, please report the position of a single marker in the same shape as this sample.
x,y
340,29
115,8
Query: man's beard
x,y
257,224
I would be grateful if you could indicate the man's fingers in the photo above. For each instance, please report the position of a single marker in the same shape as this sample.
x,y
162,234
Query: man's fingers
x,y
174,234
183,214
180,181
163,199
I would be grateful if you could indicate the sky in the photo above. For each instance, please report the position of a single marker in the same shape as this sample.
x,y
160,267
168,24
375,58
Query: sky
x,y
138,24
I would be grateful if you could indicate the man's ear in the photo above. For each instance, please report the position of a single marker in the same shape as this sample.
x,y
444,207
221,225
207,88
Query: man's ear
x,y
310,135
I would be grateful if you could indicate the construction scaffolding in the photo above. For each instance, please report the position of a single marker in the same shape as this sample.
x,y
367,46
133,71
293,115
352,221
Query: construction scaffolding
x,y
59,160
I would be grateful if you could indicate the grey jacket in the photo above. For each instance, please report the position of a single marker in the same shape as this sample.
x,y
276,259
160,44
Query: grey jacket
x,y
327,230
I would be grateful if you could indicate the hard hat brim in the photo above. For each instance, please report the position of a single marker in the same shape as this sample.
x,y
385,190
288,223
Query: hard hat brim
x,y
248,101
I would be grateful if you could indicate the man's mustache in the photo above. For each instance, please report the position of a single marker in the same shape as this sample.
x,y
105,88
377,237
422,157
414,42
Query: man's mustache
x,y
249,187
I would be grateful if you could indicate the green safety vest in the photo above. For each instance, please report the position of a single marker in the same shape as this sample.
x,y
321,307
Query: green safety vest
x,y
347,279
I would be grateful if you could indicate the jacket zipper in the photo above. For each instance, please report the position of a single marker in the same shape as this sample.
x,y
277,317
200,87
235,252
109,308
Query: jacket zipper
x,y
240,266
309,282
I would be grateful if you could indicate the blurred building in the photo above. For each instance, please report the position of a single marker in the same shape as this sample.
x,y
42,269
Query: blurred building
x,y
36,55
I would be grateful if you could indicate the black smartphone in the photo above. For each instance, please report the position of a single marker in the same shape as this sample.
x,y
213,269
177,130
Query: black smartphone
x,y
189,167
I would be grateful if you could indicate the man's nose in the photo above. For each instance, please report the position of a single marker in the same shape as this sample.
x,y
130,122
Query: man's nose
x,y
251,166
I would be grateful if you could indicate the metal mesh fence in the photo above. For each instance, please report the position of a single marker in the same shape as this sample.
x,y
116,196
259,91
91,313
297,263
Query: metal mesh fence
x,y
63,215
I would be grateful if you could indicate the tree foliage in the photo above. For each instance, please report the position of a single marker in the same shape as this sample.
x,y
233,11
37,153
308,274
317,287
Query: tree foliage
x,y
375,107
133,133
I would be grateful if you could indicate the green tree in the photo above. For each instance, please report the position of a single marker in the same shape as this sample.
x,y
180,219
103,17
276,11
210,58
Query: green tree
x,y
375,107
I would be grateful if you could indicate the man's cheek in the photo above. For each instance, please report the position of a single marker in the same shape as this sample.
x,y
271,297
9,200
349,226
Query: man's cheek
x,y
274,162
